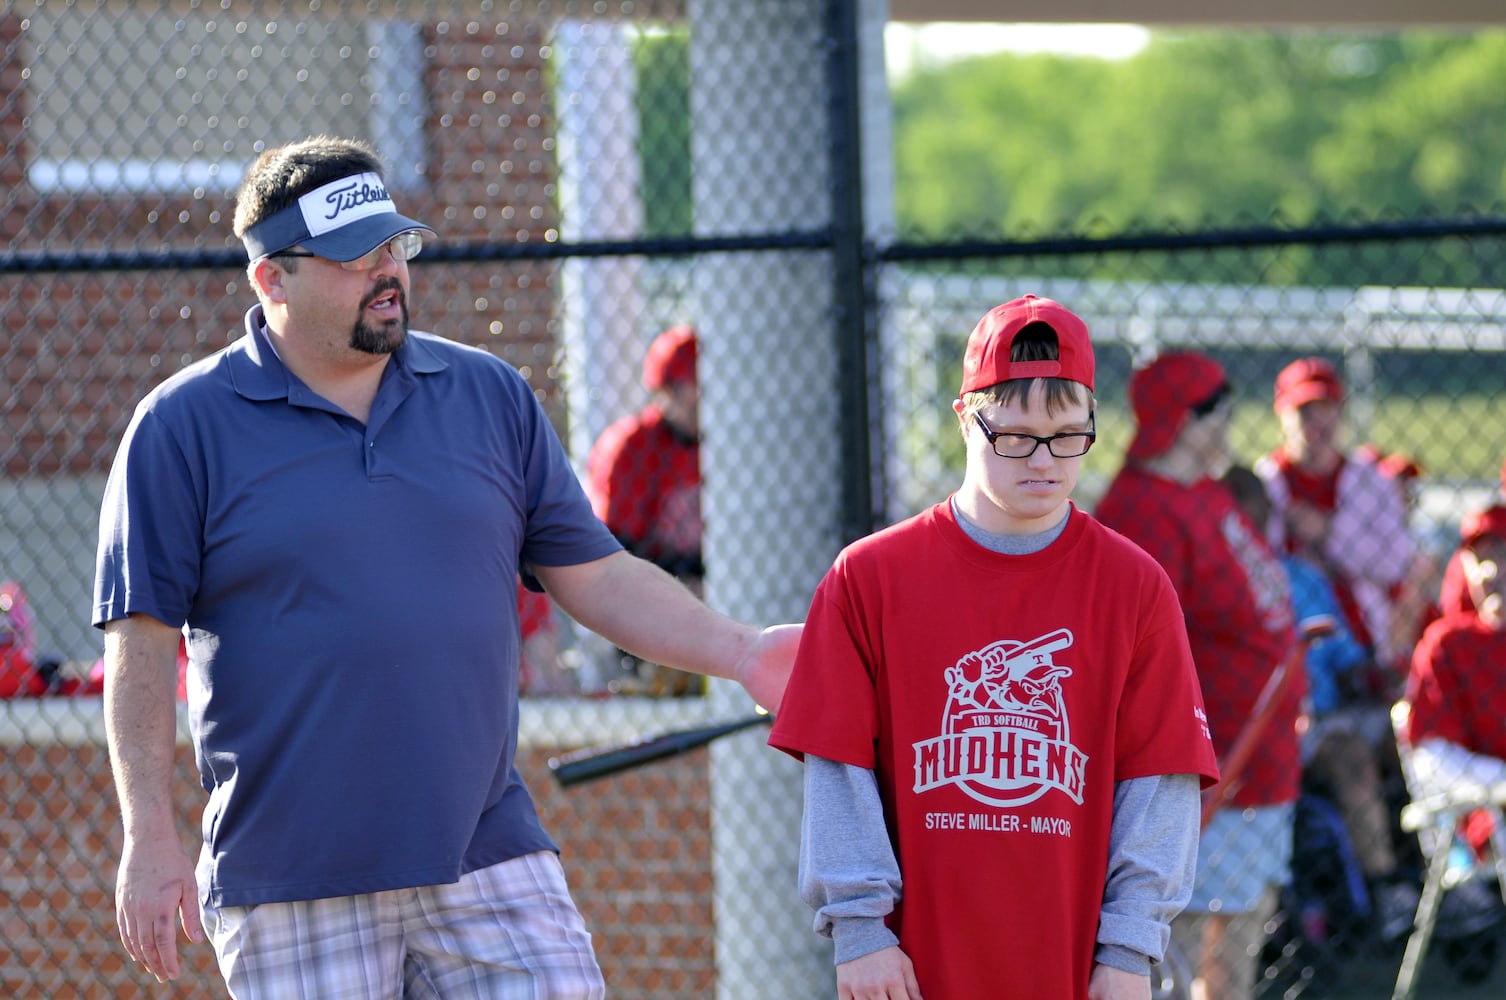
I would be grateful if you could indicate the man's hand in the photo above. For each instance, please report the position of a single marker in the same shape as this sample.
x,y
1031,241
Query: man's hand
x,y
885,974
1109,983
153,891
764,669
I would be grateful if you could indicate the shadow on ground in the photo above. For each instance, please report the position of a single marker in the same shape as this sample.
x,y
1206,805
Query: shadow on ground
x,y
1472,968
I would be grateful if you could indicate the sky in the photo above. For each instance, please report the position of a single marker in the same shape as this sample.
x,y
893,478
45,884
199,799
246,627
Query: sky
x,y
906,45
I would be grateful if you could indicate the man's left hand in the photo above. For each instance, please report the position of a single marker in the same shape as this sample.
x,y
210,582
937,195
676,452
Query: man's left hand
x,y
764,669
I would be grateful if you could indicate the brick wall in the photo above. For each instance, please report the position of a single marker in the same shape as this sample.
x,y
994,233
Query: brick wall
x,y
79,348
636,849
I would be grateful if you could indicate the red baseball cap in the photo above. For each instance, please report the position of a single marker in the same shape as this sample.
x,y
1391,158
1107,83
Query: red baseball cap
x,y
1399,466
1487,523
1307,380
987,363
1164,392
670,358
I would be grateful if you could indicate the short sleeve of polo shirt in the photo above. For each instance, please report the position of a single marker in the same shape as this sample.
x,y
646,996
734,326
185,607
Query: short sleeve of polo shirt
x,y
562,530
151,522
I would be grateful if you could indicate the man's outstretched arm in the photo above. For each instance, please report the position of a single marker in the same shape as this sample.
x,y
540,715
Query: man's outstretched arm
x,y
644,610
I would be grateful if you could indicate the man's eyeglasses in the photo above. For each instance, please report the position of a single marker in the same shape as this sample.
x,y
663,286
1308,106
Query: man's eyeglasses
x,y
1010,444
403,246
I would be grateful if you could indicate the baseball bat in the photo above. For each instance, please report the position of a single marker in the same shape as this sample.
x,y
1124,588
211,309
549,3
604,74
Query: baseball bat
x,y
1232,768
590,763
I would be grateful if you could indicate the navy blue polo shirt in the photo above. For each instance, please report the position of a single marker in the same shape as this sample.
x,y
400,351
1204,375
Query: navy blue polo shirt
x,y
350,597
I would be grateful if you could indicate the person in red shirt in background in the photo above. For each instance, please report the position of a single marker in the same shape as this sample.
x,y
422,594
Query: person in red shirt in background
x,y
1454,593
644,480
1342,749
644,472
1457,685
1237,603
19,676
1340,511
1457,691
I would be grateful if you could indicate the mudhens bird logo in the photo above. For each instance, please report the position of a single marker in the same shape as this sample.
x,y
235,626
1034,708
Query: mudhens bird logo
x,y
1006,738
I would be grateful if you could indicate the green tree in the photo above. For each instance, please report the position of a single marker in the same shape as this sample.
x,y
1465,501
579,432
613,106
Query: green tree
x,y
1203,129
662,62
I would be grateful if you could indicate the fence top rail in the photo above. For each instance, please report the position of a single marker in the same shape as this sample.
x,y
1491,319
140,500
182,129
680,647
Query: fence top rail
x,y
1146,316
60,262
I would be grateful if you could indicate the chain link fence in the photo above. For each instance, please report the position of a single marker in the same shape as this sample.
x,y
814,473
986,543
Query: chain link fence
x,y
600,173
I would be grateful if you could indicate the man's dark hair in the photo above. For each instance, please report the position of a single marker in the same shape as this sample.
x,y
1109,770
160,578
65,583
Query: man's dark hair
x,y
280,176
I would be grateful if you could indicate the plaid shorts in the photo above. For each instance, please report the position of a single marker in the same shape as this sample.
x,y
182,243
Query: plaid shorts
x,y
507,932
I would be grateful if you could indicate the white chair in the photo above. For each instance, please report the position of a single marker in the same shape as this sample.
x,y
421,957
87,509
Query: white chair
x,y
1434,813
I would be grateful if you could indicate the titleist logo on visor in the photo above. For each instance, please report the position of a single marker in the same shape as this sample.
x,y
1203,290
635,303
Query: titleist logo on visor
x,y
342,202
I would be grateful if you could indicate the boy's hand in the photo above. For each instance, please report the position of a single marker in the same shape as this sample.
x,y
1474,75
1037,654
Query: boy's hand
x,y
885,974
1109,983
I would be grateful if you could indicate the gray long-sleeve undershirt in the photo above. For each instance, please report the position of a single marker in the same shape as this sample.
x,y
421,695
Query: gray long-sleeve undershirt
x,y
849,875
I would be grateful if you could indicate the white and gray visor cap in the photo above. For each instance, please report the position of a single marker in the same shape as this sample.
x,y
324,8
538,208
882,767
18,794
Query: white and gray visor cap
x,y
342,220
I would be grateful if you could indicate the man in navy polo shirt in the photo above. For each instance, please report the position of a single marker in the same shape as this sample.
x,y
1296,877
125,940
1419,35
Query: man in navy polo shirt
x,y
334,508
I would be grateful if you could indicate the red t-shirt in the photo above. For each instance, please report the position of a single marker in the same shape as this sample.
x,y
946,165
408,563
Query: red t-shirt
x,y
535,611
1237,602
1457,685
644,480
997,699
1454,597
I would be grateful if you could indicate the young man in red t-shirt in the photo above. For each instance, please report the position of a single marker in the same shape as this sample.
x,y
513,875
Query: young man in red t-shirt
x,y
1457,685
1002,728
644,472
1237,603
644,480
1453,596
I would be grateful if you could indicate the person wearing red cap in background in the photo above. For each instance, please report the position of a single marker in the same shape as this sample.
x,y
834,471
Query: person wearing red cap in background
x,y
644,479
1239,617
1454,592
1342,760
1340,511
1001,725
1457,684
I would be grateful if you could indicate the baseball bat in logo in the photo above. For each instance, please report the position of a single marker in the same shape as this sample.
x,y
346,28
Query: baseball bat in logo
x,y
1006,739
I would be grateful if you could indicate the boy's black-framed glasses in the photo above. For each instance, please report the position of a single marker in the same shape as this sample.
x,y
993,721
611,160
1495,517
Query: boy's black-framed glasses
x,y
1012,444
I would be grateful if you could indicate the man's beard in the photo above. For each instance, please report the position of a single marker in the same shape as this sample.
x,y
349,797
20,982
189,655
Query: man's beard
x,y
389,335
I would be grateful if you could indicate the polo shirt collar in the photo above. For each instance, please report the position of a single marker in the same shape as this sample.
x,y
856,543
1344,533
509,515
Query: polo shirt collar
x,y
258,373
